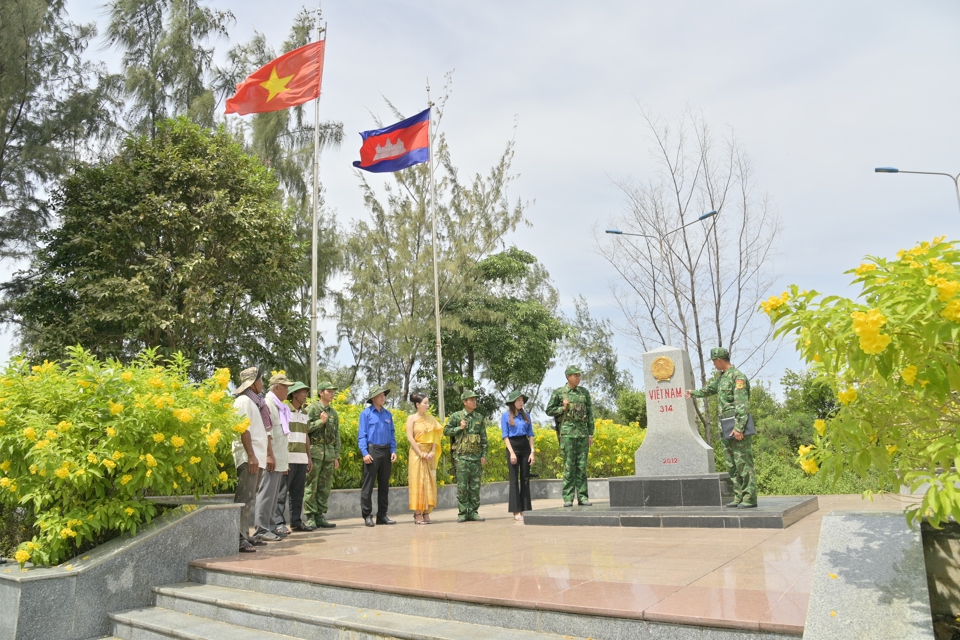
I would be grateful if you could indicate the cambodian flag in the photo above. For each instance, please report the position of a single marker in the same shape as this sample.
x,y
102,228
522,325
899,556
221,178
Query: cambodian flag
x,y
396,147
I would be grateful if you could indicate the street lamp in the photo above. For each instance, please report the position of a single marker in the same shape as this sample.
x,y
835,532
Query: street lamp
x,y
618,232
955,178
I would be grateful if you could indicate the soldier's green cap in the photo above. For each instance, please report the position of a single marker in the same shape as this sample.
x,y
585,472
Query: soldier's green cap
x,y
513,398
326,384
466,395
721,353
571,370
385,390
297,386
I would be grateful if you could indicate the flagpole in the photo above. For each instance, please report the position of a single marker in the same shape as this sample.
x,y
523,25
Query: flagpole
x,y
436,276
321,31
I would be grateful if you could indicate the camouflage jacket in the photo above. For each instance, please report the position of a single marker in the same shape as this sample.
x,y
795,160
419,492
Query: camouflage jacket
x,y
577,419
733,395
469,441
324,437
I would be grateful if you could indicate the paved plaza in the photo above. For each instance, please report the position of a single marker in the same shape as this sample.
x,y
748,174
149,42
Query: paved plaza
x,y
756,579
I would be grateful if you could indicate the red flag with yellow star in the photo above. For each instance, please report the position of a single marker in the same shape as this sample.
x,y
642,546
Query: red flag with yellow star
x,y
291,79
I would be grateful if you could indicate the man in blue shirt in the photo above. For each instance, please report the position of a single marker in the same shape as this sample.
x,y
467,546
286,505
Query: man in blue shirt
x,y
377,440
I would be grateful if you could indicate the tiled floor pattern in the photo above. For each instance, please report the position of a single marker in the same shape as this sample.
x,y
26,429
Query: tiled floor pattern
x,y
743,578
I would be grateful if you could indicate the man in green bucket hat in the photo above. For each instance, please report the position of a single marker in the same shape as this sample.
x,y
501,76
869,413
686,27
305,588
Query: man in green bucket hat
x,y
325,456
572,406
468,444
377,439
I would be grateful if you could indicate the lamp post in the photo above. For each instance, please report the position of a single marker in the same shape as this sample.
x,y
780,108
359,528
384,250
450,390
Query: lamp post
x,y
618,232
955,178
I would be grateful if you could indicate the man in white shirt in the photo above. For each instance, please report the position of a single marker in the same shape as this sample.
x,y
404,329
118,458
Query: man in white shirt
x,y
271,480
252,451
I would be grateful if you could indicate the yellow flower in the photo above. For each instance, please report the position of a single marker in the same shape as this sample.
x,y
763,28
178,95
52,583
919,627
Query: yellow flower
x,y
92,459
126,376
820,426
177,441
183,415
194,459
805,449
817,358
83,383
891,449
213,439
773,303
909,374
952,311
111,431
41,444
149,471
5,482
125,479
30,434
151,461
175,486
62,473
216,396
848,396
865,268
223,476
242,426
115,407
5,465
156,382
33,469
158,437
117,455
80,471
21,556
67,532
108,463
50,434
810,466
129,511
63,426
222,377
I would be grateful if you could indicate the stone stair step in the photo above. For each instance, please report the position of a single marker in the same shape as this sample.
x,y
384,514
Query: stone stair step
x,y
304,618
155,623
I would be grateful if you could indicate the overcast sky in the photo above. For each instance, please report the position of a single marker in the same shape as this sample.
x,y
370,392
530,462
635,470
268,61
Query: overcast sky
x,y
819,93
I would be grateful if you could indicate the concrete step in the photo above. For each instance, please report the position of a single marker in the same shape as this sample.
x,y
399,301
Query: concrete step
x,y
302,618
155,623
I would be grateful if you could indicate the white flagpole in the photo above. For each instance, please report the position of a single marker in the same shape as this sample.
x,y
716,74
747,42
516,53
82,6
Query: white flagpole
x,y
321,31
436,276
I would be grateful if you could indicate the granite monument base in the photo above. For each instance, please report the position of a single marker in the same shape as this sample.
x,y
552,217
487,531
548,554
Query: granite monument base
x,y
771,513
702,490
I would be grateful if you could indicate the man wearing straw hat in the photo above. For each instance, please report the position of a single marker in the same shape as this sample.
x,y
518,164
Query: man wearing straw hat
x,y
324,425
377,440
252,451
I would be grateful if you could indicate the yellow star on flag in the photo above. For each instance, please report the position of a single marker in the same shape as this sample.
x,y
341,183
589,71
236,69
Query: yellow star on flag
x,y
276,85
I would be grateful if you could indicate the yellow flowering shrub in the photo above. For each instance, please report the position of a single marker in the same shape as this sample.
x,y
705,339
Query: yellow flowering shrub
x,y
891,355
102,451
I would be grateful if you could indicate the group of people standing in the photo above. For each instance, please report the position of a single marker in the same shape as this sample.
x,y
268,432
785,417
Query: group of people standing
x,y
291,449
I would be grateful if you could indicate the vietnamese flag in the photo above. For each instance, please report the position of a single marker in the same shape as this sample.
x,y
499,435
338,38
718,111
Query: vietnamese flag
x,y
291,79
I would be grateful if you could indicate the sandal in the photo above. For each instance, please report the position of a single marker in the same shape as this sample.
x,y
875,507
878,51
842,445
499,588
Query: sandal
x,y
426,519
246,547
418,518
518,517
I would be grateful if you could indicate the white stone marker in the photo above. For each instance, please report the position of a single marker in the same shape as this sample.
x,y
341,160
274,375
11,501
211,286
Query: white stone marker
x,y
672,446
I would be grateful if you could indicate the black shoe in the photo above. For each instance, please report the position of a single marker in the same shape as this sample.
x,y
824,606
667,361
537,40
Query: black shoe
x,y
732,505
369,521
386,520
303,527
586,503
323,524
246,547
747,506
568,504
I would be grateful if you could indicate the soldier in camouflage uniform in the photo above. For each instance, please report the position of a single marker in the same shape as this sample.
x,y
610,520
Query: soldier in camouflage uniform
x,y
733,397
468,444
572,407
325,451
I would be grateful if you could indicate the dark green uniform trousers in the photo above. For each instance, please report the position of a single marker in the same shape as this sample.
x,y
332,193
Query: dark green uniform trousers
x,y
468,484
316,493
738,456
575,450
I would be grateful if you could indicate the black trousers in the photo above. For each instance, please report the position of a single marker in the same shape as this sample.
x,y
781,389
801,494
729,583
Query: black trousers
x,y
520,476
292,487
377,471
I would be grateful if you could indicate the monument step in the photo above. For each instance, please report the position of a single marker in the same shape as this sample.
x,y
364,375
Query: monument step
x,y
307,618
154,623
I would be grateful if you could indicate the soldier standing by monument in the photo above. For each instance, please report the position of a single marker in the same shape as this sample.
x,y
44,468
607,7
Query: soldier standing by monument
x,y
733,397
324,424
571,404
468,444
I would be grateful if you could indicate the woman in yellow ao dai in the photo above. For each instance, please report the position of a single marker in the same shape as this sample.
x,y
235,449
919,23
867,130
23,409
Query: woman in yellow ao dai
x,y
424,434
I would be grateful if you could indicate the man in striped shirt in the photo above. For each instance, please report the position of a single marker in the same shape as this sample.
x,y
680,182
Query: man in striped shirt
x,y
298,448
